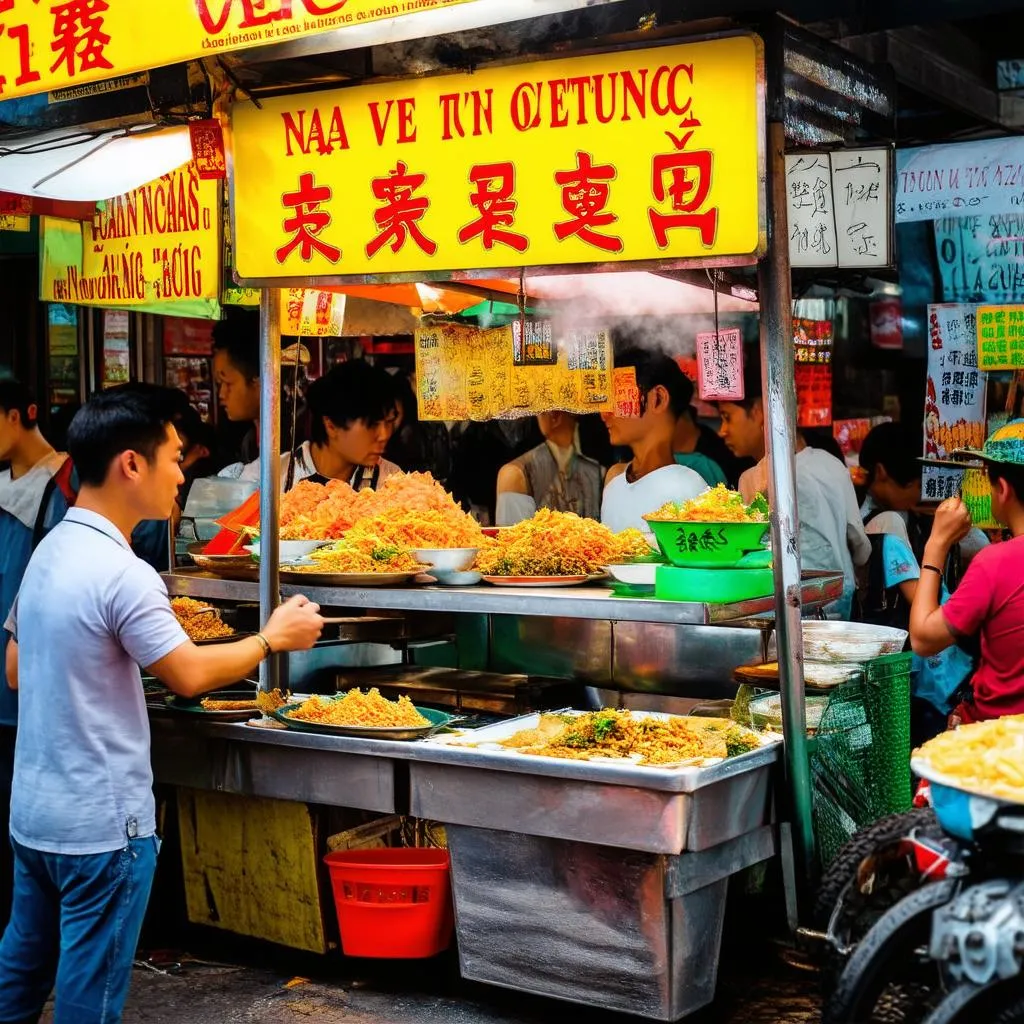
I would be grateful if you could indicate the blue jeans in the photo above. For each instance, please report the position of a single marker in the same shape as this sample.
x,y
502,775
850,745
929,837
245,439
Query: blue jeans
x,y
74,927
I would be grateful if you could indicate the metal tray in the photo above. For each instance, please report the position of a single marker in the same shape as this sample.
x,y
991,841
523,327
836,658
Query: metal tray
x,y
347,579
193,706
437,720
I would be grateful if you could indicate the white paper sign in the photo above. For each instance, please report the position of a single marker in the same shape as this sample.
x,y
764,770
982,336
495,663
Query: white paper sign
x,y
861,195
812,225
959,179
720,366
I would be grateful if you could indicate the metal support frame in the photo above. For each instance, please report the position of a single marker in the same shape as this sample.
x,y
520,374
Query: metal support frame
x,y
779,391
270,469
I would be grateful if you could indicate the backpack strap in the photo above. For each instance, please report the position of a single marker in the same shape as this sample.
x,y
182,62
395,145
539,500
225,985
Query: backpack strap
x,y
64,480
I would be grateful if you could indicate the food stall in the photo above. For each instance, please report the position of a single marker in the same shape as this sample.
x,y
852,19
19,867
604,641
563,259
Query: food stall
x,y
585,880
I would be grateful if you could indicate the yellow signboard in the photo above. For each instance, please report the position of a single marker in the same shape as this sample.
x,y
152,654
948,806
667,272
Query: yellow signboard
x,y
463,373
57,45
158,243
635,155
14,222
1001,337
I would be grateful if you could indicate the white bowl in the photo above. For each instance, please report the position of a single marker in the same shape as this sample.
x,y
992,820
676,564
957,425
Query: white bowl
x,y
456,579
291,550
637,574
850,642
446,560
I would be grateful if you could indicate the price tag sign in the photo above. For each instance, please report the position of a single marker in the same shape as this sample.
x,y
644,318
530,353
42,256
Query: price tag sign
x,y
720,366
626,392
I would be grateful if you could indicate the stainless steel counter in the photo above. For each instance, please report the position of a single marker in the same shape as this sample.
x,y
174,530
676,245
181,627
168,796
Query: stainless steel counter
x,y
585,602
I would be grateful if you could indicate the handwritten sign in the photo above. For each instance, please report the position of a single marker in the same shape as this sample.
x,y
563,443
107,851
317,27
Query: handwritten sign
x,y
954,397
158,243
467,374
720,365
960,179
839,208
52,46
1000,337
626,392
630,155
981,258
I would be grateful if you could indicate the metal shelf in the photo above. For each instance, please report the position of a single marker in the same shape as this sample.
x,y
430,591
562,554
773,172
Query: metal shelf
x,y
593,602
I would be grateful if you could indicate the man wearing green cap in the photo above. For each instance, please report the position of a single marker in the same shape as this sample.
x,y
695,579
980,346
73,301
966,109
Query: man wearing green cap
x,y
990,599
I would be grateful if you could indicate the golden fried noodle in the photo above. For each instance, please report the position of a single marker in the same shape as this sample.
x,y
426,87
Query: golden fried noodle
x,y
985,758
368,709
559,544
619,734
716,505
361,552
265,702
206,626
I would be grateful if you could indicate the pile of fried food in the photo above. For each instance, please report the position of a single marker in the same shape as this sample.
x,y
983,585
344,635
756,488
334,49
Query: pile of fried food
x,y
265,702
621,734
369,710
985,758
360,551
716,505
199,621
559,544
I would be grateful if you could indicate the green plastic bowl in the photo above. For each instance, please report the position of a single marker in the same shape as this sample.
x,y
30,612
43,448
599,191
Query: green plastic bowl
x,y
708,545
712,586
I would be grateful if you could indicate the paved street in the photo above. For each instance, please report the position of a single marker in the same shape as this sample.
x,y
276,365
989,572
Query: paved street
x,y
762,990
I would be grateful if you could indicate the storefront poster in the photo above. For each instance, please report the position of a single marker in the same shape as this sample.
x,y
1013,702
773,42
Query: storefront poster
x,y
625,156
981,258
960,179
117,358
158,244
464,373
813,344
954,397
886,318
306,313
720,365
66,45
1000,337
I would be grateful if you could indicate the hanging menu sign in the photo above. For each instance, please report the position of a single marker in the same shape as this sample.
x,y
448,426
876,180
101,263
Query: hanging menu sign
x,y
463,373
954,411
720,365
1000,337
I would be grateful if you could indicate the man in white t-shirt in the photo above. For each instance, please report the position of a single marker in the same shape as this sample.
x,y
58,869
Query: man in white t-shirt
x,y
831,532
652,477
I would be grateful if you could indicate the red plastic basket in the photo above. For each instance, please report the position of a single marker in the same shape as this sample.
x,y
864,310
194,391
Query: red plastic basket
x,y
392,903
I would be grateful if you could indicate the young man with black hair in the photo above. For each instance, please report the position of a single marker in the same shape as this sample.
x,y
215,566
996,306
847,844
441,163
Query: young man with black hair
x,y
236,372
831,533
652,476
989,602
353,410
88,614
31,503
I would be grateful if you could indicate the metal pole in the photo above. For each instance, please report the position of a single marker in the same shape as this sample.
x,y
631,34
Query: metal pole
x,y
779,390
270,468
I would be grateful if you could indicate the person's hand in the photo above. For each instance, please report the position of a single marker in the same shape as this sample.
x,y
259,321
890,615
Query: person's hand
x,y
294,626
953,722
952,523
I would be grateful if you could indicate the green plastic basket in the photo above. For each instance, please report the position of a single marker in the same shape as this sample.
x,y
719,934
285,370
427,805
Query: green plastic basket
x,y
860,761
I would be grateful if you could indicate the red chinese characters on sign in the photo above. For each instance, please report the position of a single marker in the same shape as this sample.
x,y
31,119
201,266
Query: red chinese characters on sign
x,y
398,219
78,36
307,221
20,35
585,194
207,139
682,179
495,187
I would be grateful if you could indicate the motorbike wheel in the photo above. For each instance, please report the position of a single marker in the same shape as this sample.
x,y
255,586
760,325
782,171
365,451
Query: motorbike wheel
x,y
843,907
999,1002
885,979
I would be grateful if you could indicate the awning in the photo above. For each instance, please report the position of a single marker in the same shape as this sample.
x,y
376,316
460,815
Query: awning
x,y
88,166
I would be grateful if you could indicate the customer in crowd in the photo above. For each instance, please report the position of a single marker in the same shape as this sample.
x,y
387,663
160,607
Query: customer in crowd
x,y
652,476
700,448
831,532
353,410
236,372
418,446
82,824
32,501
989,602
554,475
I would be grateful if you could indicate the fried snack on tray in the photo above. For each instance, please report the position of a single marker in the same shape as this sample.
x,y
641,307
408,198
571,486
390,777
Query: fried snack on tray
x,y
265,702
362,552
620,734
985,758
559,544
368,709
716,505
207,626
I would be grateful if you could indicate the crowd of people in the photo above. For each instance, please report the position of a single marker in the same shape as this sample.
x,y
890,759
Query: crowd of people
x,y
83,533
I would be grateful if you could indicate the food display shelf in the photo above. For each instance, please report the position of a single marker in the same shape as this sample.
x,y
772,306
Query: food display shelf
x,y
583,602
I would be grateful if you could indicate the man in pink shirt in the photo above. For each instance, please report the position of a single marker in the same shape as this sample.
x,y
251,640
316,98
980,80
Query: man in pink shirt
x,y
989,601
